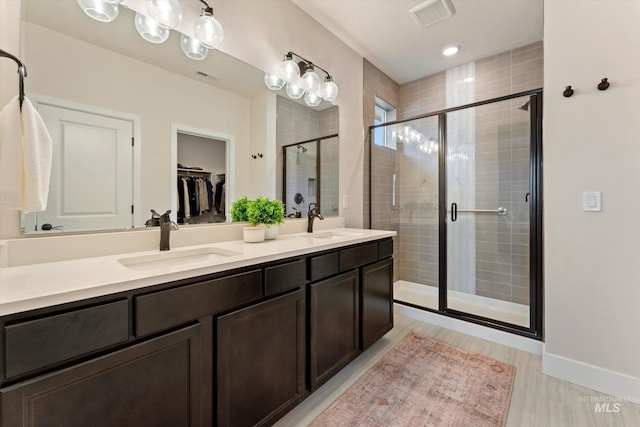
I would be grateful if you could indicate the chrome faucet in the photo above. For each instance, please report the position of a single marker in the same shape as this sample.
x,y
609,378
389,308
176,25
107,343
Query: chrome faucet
x,y
312,214
166,225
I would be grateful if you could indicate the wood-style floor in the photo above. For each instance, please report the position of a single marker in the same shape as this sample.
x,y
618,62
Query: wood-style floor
x,y
537,399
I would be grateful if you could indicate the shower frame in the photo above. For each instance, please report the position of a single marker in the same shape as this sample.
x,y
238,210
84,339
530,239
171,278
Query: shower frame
x,y
536,279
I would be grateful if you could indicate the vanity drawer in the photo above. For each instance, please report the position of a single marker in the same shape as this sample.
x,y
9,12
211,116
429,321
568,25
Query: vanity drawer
x,y
358,255
322,266
173,307
284,277
41,342
385,248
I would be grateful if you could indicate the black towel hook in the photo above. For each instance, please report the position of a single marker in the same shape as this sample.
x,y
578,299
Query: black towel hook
x,y
604,84
567,92
22,71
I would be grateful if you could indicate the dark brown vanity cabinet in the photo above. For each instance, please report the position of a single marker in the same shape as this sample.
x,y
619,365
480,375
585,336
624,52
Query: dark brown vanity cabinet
x,y
334,326
350,305
153,383
377,301
261,361
235,348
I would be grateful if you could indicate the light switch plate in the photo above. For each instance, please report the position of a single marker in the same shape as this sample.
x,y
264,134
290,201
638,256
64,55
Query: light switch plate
x,y
592,201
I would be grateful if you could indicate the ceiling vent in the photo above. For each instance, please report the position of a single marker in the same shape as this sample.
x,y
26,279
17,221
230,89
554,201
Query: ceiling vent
x,y
210,76
432,11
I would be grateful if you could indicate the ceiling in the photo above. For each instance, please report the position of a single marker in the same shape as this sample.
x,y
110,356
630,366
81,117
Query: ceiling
x,y
386,34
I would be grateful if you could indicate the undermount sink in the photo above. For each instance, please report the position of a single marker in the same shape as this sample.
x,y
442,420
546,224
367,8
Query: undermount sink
x,y
176,258
334,234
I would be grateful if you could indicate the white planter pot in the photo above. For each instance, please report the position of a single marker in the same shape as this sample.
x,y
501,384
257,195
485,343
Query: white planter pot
x,y
271,232
253,234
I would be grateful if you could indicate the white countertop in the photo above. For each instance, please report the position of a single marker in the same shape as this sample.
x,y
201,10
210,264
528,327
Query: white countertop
x,y
34,286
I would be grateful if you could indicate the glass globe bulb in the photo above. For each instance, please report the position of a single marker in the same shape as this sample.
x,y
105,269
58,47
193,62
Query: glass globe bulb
x,y
168,13
289,71
294,91
193,48
273,82
328,90
150,30
209,31
312,99
310,81
406,131
100,10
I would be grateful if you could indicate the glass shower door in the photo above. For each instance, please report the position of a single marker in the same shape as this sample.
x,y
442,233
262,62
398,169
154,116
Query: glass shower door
x,y
487,164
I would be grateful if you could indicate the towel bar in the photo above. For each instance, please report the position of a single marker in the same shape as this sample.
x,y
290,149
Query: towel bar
x,y
22,71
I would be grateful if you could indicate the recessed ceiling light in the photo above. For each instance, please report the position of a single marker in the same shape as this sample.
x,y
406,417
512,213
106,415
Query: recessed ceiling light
x,y
450,51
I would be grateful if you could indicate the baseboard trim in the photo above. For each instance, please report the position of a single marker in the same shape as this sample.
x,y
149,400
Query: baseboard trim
x,y
599,379
499,337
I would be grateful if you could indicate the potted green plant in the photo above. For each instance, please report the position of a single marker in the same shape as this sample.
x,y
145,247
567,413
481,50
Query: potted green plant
x,y
239,213
239,210
267,212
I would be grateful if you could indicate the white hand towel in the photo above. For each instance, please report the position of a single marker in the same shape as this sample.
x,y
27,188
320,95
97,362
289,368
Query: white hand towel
x,y
25,158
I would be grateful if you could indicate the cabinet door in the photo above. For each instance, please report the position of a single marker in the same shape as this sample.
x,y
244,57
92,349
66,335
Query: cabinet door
x,y
377,301
155,383
334,326
260,362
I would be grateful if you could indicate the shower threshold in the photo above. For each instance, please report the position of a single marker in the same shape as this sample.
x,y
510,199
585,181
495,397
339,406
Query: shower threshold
x,y
427,296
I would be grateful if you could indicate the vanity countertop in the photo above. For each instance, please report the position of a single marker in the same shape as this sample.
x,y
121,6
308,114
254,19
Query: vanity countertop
x,y
41,285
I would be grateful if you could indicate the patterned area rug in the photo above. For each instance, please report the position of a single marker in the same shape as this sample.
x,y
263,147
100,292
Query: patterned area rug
x,y
423,382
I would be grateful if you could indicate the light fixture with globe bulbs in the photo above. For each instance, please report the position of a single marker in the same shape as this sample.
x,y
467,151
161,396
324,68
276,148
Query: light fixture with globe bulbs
x,y
301,80
162,16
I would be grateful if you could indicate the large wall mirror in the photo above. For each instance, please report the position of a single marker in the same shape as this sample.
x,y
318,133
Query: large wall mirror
x,y
101,86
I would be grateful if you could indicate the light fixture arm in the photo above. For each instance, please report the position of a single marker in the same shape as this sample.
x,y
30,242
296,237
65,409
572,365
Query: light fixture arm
x,y
208,9
290,55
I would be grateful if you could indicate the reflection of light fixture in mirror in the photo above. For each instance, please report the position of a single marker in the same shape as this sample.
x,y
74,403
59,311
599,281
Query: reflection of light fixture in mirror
x,y
207,29
150,30
273,82
162,16
168,13
193,48
100,10
311,99
294,91
289,73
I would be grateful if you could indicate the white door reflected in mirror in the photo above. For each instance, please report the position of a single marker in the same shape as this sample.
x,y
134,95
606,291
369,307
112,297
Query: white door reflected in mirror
x,y
91,172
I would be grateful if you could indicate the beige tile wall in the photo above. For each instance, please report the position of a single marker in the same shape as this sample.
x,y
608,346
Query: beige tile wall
x,y
376,83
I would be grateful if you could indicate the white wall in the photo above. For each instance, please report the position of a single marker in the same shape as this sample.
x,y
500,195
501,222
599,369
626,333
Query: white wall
x,y
592,143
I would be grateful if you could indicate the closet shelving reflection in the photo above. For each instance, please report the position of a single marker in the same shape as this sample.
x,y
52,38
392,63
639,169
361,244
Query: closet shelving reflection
x,y
193,172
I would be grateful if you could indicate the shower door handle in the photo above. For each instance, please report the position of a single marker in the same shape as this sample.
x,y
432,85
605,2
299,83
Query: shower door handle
x,y
454,212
